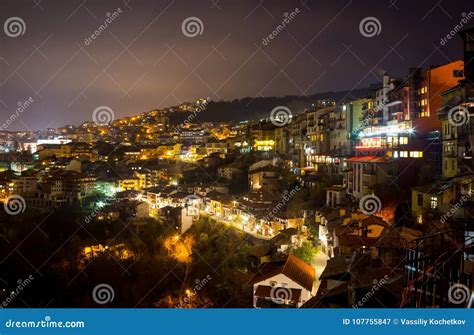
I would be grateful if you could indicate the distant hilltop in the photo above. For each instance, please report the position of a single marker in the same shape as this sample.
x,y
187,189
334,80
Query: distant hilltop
x,y
254,108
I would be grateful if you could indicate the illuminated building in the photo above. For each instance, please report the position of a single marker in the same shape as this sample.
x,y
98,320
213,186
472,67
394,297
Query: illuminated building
x,y
262,138
55,190
458,136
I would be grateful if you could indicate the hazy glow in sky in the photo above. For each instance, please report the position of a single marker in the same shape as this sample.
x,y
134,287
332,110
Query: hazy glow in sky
x,y
142,59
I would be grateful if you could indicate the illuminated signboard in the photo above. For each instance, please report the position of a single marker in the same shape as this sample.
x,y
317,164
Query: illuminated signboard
x,y
370,143
389,130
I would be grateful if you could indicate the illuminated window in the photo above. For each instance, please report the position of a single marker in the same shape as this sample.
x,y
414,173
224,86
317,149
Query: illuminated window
x,y
434,202
395,154
403,140
416,154
404,154
419,219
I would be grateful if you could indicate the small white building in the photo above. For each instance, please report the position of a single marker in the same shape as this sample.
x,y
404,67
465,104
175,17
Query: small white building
x,y
288,283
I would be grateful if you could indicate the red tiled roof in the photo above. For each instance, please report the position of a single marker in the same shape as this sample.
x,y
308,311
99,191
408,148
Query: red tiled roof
x,y
294,268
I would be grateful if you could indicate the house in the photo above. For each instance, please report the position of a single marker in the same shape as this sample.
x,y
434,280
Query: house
x,y
228,171
438,198
360,232
286,283
357,281
266,176
393,242
344,230
180,217
219,204
286,239
335,195
259,254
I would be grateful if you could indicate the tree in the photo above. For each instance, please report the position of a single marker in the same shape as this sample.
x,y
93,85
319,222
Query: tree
x,y
306,252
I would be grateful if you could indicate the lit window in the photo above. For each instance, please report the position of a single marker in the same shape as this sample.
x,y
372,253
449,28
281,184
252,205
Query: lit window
x,y
404,154
419,219
416,154
403,140
434,202
395,154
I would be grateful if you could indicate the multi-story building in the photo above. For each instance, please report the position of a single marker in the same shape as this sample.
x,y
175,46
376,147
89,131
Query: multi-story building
x,y
55,190
457,135
262,138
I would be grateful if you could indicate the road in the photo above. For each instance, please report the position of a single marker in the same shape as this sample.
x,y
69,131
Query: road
x,y
236,225
319,263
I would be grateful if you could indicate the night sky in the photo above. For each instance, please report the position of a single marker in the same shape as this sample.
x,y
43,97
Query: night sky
x,y
142,60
